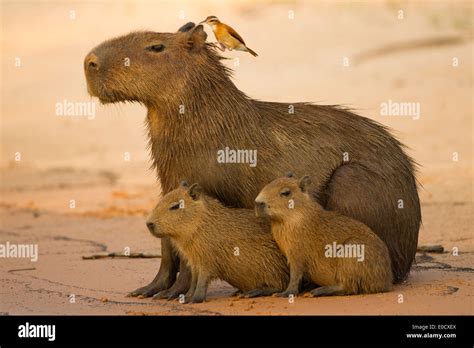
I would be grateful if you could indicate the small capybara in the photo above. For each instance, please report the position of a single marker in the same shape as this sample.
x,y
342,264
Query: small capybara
x,y
342,255
219,242
195,111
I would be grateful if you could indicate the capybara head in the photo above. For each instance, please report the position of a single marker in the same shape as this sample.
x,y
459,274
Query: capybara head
x,y
178,213
147,66
283,196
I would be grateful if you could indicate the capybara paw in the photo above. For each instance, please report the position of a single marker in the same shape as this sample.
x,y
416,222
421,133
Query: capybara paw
x,y
163,294
198,299
146,291
172,295
327,291
254,293
187,299
237,293
138,292
284,294
317,293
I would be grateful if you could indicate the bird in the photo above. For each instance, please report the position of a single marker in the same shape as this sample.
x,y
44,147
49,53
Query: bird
x,y
226,36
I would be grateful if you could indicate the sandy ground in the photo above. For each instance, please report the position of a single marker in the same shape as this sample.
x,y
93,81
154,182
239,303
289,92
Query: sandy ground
x,y
300,59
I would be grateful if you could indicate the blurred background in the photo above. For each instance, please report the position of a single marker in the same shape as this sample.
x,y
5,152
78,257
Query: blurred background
x,y
301,46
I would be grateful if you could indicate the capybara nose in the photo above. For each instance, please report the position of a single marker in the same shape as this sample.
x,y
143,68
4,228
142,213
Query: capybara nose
x,y
260,208
91,62
151,226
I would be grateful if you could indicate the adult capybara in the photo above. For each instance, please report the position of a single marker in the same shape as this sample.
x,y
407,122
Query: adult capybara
x,y
219,243
342,255
195,111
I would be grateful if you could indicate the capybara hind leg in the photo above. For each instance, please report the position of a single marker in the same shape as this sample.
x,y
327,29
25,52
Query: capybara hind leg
x,y
389,205
166,275
333,290
260,292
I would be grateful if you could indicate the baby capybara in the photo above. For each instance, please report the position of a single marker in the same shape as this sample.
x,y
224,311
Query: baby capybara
x,y
218,242
342,255
195,111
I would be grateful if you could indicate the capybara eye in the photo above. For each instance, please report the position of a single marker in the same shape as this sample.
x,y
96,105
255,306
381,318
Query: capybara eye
x,y
156,48
285,193
174,206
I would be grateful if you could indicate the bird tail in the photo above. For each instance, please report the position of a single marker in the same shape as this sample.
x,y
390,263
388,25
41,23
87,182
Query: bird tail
x,y
253,53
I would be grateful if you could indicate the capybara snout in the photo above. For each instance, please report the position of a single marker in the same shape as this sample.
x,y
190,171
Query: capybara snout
x,y
260,208
151,227
91,63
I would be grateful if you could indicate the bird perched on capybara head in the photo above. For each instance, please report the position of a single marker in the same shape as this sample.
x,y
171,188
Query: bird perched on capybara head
x,y
195,112
342,255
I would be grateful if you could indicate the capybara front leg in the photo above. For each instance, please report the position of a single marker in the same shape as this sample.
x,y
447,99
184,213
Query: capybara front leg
x,y
189,295
296,276
166,275
201,288
182,284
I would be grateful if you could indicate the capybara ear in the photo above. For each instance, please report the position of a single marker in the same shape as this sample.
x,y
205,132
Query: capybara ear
x,y
289,174
184,183
196,37
187,27
305,182
195,191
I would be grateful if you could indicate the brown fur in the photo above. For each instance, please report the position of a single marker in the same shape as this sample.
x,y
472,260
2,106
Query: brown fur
x,y
303,230
206,234
313,140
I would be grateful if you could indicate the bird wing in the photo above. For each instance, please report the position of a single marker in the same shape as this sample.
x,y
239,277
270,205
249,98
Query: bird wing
x,y
233,33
